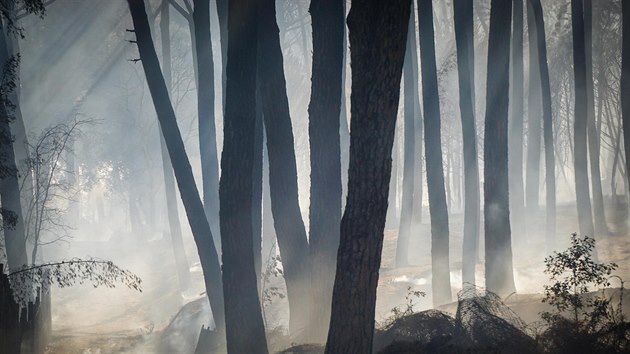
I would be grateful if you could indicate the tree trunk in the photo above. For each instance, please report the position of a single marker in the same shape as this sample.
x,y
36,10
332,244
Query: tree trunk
x,y
257,192
378,31
344,129
498,241
550,164
181,165
406,210
515,124
463,18
11,204
593,135
244,323
625,83
205,114
391,219
222,14
285,206
534,122
585,216
441,283
324,112
181,261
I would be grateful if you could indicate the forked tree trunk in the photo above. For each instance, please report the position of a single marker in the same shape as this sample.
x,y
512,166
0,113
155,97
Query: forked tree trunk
x,y
181,165
463,11
324,111
377,36
441,284
498,239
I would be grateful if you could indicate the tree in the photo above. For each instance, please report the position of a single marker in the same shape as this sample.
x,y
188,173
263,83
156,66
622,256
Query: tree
x,y
593,134
324,111
550,163
463,18
409,148
534,122
515,123
181,165
441,283
625,81
378,31
585,216
181,262
498,239
244,323
290,230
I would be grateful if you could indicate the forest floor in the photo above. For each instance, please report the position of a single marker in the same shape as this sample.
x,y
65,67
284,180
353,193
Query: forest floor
x,y
99,321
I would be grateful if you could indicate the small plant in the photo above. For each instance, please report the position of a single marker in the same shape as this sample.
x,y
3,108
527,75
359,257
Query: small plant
x,y
581,321
407,308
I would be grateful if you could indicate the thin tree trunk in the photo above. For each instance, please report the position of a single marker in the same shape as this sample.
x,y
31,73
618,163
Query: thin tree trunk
x,y
324,111
181,261
593,135
378,31
463,18
441,283
498,239
406,210
625,84
585,215
550,163
534,123
344,129
257,192
222,14
181,165
244,323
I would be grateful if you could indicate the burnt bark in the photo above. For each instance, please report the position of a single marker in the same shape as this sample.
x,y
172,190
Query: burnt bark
x,y
378,31
181,165
498,239
441,284
244,323
463,18
585,215
324,111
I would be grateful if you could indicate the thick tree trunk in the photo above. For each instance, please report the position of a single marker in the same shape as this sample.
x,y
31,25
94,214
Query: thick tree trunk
x,y
515,124
406,209
324,111
441,283
534,123
498,239
244,323
205,114
585,215
181,165
181,261
463,18
550,164
625,83
377,37
11,204
593,135
285,206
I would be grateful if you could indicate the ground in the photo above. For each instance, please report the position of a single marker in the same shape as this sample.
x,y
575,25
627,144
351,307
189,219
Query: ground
x,y
89,321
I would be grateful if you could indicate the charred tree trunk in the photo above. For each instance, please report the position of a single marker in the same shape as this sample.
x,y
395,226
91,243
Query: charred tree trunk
x,y
406,209
441,283
498,241
244,323
205,114
285,206
593,134
463,12
378,31
324,111
181,165
181,261
585,215
534,122
625,83
550,164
